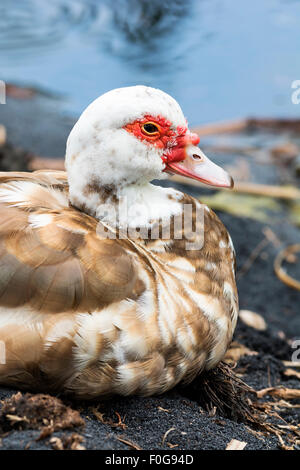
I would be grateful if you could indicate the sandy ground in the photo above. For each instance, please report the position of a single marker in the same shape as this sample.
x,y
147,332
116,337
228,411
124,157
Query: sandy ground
x,y
146,420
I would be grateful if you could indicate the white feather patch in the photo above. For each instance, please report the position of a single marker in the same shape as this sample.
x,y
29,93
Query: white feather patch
x,y
39,220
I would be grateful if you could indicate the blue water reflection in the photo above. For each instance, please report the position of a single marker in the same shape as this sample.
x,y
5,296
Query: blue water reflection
x,y
220,59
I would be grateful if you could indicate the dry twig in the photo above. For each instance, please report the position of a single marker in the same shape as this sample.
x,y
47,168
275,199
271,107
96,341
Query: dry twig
x,y
283,392
291,363
280,272
292,373
129,443
109,421
166,435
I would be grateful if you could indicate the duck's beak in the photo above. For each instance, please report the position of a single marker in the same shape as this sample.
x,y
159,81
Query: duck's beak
x,y
197,166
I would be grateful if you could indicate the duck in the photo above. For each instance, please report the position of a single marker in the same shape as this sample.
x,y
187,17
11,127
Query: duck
x,y
110,284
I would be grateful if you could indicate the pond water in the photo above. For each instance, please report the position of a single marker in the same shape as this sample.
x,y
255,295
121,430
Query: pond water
x,y
220,59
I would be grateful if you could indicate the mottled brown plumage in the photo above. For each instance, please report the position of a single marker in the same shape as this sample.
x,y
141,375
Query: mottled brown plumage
x,y
86,314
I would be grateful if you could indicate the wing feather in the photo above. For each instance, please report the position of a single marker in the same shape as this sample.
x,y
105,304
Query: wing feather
x,y
51,257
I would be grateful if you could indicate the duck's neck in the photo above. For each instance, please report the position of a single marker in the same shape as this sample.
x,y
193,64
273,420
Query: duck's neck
x,y
135,205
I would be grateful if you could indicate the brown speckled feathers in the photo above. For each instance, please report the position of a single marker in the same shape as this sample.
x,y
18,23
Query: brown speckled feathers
x,y
62,264
95,316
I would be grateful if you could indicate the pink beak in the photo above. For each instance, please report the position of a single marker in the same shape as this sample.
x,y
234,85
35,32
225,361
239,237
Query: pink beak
x,y
197,166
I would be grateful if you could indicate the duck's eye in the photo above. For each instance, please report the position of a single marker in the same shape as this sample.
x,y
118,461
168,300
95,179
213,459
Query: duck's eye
x,y
149,128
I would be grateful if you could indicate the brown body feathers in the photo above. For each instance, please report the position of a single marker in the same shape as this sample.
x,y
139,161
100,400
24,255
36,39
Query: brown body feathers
x,y
96,316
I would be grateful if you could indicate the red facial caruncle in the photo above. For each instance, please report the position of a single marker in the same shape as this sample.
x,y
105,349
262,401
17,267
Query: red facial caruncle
x,y
159,132
180,153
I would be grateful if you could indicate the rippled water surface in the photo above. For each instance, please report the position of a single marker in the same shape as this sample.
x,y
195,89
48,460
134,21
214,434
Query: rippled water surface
x,y
220,59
